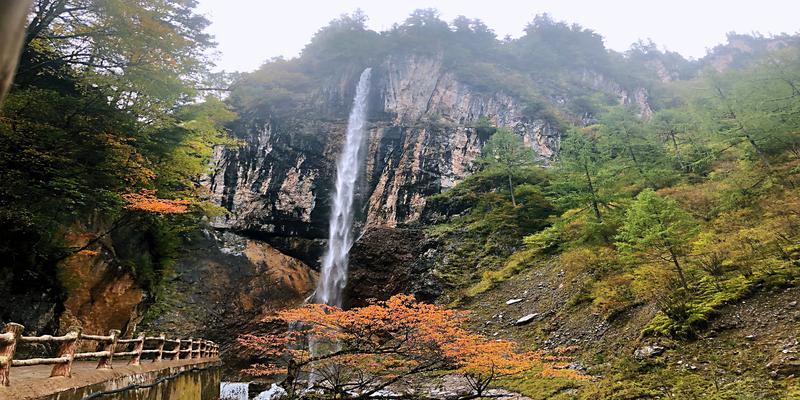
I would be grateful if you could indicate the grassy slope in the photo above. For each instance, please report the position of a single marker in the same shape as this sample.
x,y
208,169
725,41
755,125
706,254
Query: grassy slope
x,y
708,354
720,364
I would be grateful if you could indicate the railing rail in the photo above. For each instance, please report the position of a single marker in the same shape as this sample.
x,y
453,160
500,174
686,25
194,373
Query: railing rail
x,y
68,344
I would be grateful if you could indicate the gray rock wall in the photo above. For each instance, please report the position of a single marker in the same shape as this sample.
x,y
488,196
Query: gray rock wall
x,y
422,140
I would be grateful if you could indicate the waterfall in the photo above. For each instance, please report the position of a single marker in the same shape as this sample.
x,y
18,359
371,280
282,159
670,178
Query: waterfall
x,y
273,391
234,391
333,277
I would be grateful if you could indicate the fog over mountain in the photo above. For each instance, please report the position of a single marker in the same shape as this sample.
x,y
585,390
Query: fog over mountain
x,y
249,32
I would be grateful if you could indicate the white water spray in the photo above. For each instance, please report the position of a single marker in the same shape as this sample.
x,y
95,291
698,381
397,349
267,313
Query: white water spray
x,y
340,239
234,391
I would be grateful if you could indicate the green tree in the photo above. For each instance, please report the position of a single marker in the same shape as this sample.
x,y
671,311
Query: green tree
x,y
345,41
549,45
673,126
146,55
634,147
506,150
756,109
658,228
580,161
104,105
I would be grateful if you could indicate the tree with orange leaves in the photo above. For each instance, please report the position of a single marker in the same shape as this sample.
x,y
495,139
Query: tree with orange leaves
x,y
146,200
356,353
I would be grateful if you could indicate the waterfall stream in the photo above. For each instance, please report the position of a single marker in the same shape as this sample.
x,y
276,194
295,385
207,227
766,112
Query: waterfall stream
x,y
234,391
333,277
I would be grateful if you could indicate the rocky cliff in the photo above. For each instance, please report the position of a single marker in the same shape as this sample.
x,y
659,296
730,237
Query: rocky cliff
x,y
97,288
224,285
424,137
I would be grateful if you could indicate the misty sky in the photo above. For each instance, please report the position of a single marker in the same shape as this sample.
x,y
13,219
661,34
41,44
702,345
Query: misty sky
x,y
252,31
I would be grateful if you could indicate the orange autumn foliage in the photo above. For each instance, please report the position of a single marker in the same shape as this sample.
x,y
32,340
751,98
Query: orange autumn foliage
x,y
146,200
363,350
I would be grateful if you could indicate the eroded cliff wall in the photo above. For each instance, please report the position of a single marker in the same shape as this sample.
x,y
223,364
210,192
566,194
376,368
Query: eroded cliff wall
x,y
423,139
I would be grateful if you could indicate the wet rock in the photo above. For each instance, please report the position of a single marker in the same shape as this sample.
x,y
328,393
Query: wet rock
x,y
222,294
385,262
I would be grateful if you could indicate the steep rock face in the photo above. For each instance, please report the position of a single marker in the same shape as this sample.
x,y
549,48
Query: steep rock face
x,y
100,296
637,97
225,285
224,282
388,261
95,288
422,140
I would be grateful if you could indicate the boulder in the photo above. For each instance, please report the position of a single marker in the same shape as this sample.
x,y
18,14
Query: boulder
x,y
648,351
526,319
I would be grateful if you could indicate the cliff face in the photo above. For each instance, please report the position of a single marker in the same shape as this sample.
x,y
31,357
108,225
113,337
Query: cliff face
x,y
96,288
422,140
225,285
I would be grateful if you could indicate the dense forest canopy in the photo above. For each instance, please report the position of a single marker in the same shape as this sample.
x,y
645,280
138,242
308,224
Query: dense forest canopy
x,y
104,103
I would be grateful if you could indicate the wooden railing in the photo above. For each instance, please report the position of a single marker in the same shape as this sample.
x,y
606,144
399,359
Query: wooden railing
x,y
68,344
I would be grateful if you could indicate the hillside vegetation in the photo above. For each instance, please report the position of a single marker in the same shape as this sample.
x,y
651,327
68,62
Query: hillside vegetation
x,y
684,212
104,104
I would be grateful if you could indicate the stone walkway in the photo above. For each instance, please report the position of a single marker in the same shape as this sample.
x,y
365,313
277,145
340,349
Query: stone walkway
x,y
33,382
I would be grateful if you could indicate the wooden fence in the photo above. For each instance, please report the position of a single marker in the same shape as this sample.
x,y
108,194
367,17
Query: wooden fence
x,y
62,363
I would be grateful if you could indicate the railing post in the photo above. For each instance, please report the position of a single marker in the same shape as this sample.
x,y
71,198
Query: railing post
x,y
196,348
180,348
204,349
188,348
67,349
7,348
105,361
138,346
177,350
160,348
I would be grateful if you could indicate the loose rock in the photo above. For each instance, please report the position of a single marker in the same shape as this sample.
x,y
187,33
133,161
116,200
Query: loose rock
x,y
648,351
526,319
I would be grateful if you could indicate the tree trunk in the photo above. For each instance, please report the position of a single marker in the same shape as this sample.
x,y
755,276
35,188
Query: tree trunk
x,y
679,270
288,383
13,14
595,206
677,150
511,188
